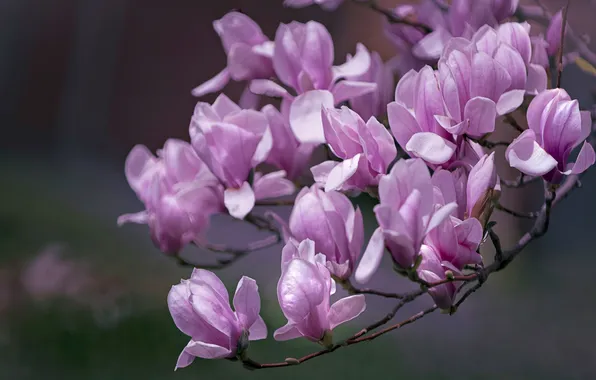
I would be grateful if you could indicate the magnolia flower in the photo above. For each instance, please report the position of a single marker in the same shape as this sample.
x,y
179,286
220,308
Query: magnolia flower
x,y
483,187
406,214
303,292
556,127
366,148
201,309
232,142
179,193
330,221
462,19
413,117
248,50
328,5
303,60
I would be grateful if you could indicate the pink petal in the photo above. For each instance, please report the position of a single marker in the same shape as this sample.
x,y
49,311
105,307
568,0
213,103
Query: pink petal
x,y
273,185
137,218
537,79
371,259
321,172
305,115
481,113
184,360
585,159
341,173
348,89
217,83
430,147
440,215
355,66
268,88
207,350
239,202
287,332
402,122
510,101
258,330
247,302
526,155
346,309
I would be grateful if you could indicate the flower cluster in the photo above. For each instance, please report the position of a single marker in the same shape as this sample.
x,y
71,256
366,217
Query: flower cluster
x,y
420,147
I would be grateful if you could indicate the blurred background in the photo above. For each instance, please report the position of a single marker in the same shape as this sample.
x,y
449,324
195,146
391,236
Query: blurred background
x,y
83,81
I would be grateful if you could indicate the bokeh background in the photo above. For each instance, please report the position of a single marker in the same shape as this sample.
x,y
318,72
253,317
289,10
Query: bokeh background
x,y
82,81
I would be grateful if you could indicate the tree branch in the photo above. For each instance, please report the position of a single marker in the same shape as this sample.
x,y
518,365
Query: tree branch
x,y
391,16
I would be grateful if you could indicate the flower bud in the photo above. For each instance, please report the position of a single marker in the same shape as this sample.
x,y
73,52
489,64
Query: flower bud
x,y
483,189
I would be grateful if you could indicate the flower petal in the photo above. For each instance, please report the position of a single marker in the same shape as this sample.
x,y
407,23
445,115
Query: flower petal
x,y
207,350
287,332
585,159
305,115
346,309
371,259
217,83
258,330
341,173
526,155
430,147
239,202
247,302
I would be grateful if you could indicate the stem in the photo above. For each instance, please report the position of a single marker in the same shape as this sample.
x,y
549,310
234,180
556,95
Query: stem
x,y
392,17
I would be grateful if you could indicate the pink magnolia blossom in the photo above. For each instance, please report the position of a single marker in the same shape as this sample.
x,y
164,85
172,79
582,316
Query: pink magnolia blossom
x,y
179,193
330,221
463,18
303,61
406,214
556,127
219,129
366,149
304,291
248,51
201,309
553,33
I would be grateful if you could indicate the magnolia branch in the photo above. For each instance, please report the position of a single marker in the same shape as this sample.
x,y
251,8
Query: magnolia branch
x,y
502,259
391,16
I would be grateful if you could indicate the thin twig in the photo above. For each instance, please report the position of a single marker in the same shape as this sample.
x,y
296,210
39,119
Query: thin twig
x,y
391,16
281,202
520,181
517,214
487,144
511,121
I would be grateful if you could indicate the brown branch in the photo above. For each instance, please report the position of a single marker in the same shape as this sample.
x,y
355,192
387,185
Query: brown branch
x,y
511,121
520,181
281,202
391,16
487,144
517,214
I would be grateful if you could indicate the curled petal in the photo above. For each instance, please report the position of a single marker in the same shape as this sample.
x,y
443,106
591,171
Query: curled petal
x,y
287,332
217,83
247,301
346,309
268,87
258,330
371,259
341,173
348,89
585,159
207,350
526,155
355,66
481,112
239,202
510,101
305,115
431,147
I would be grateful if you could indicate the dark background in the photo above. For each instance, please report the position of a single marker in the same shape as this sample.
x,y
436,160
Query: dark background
x,y
82,81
